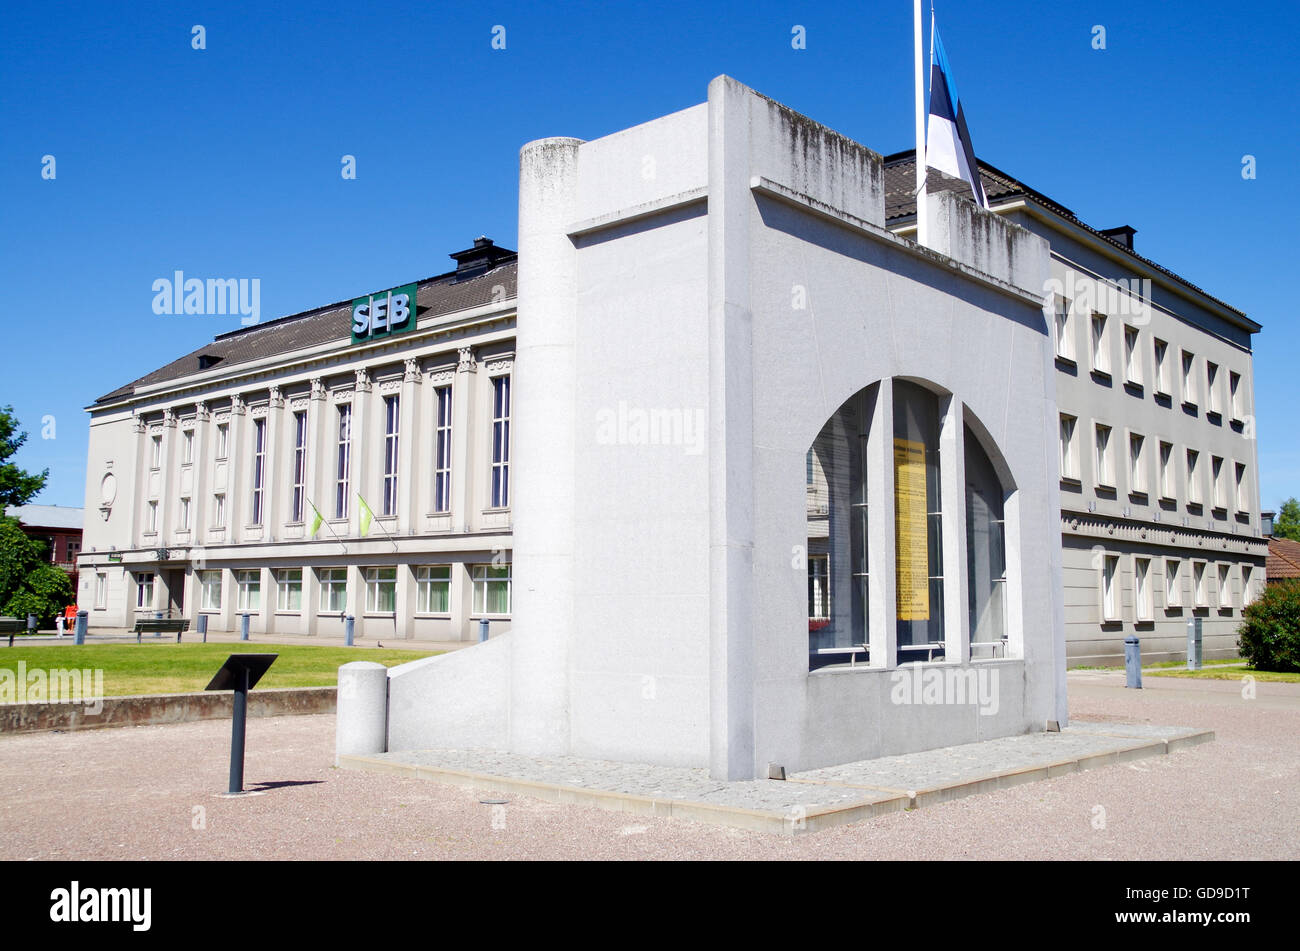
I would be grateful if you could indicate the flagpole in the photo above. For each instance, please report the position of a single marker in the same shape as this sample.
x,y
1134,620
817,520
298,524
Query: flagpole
x,y
922,224
373,519
326,523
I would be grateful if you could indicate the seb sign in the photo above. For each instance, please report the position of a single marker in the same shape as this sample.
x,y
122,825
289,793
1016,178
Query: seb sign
x,y
382,314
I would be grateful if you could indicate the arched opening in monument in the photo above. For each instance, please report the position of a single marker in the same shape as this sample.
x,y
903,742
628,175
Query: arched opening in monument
x,y
903,480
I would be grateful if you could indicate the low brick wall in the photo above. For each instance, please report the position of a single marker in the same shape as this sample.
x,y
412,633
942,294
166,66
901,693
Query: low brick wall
x,y
163,708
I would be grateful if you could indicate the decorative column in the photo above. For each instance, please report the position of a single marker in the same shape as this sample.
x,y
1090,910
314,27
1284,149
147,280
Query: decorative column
x,y
467,459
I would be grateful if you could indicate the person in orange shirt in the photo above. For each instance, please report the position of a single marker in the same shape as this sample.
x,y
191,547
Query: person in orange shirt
x,y
69,616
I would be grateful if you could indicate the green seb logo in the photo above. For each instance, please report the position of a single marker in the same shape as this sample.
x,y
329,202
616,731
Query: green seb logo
x,y
383,314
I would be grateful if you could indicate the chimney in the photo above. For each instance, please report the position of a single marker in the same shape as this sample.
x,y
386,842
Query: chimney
x,y
479,259
1123,236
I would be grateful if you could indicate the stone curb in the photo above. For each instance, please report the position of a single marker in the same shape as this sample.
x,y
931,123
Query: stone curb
x,y
160,709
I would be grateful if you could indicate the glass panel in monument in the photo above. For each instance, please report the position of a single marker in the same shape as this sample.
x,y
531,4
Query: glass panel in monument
x,y
986,562
837,537
918,524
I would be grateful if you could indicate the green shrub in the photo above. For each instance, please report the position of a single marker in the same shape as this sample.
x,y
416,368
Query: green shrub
x,y
1269,637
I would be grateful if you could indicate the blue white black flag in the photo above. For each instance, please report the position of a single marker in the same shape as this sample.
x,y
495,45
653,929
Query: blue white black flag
x,y
948,145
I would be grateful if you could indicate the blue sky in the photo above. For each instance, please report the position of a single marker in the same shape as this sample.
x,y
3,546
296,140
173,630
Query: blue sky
x,y
225,162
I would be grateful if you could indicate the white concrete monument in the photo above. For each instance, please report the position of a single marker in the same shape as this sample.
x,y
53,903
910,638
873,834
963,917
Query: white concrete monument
x,y
788,481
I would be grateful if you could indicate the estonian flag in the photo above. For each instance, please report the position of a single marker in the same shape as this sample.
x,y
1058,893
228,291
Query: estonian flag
x,y
948,146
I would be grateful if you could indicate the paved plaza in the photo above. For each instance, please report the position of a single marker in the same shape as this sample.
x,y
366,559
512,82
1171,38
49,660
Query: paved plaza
x,y
153,792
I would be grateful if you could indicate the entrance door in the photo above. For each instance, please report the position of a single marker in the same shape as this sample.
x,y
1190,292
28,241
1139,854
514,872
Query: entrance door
x,y
176,593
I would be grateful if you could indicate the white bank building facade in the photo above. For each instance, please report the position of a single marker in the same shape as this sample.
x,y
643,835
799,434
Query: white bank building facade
x,y
721,455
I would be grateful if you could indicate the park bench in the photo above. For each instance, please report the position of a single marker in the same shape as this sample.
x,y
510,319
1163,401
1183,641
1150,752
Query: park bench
x,y
176,626
12,626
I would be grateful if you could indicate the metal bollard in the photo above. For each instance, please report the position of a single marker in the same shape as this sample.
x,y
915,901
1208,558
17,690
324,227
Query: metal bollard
x,y
1133,662
203,627
1194,643
349,623
243,626
81,626
482,630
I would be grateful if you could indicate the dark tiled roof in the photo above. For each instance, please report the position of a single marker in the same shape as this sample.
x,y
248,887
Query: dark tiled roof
x,y
900,204
435,296
1283,559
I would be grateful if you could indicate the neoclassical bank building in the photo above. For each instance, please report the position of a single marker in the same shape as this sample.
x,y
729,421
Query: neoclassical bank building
x,y
721,455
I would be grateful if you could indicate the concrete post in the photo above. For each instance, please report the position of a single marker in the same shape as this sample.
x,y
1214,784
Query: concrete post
x,y
1133,662
243,626
349,625
81,626
362,720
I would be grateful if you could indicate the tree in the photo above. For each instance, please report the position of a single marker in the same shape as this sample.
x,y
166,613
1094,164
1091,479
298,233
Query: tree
x,y
29,584
16,486
1286,524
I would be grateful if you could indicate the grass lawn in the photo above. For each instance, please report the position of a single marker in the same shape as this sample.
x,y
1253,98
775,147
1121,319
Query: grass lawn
x,y
1220,672
186,668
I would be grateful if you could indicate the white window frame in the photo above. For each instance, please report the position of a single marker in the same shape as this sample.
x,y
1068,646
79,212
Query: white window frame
x,y
144,583
187,447
1242,489
343,460
184,514
219,510
1168,475
1234,395
1110,598
1068,437
288,590
499,487
1143,599
206,588
298,499
101,590
1173,583
1100,349
1193,460
155,452
1103,456
152,523
256,514
1137,465
392,448
248,584
1224,579
1189,377
480,578
1064,324
376,579
223,439
1218,485
1213,405
1132,355
820,584
442,408
1160,354
427,577
332,580
1200,596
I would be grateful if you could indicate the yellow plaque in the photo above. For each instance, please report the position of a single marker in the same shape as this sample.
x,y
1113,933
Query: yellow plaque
x,y
912,567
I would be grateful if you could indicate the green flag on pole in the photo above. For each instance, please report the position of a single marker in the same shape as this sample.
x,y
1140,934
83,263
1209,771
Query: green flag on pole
x,y
366,516
315,522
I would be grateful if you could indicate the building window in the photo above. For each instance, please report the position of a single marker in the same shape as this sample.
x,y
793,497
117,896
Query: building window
x,y
1173,583
392,417
1168,489
1142,609
1198,584
381,590
299,465
223,431
288,589
1132,356
1247,585
809,463
491,589
259,468
1105,475
918,522
1161,351
1243,494
333,590
152,524
1189,381
210,590
1069,452
187,447
219,510
101,590
250,590
144,590
1100,354
343,461
1234,394
1064,343
185,515
1137,470
500,442
1218,485
433,589
1193,479
442,451
155,452
1109,589
819,590
1225,586
986,560
1212,403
